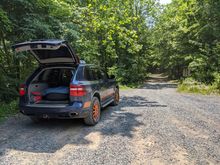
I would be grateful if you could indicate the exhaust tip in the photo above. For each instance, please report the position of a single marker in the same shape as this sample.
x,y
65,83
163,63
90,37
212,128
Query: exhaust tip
x,y
72,114
45,116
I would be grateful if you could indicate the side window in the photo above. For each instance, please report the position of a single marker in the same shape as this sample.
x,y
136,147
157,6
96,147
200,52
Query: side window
x,y
98,74
87,74
103,75
94,73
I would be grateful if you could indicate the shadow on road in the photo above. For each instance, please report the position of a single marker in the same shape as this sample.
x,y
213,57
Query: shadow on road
x,y
49,136
138,101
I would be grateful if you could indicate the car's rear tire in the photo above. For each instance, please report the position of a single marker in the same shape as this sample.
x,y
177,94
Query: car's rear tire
x,y
94,113
116,98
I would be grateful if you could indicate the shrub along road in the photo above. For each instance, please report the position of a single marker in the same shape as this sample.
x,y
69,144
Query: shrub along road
x,y
152,125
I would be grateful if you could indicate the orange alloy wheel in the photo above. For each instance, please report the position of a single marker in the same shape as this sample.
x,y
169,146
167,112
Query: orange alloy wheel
x,y
117,97
95,112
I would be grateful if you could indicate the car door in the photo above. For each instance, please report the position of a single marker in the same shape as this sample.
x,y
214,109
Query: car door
x,y
96,83
102,86
106,87
110,87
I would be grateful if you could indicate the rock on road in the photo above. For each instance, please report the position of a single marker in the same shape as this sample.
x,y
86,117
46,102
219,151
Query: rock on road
x,y
151,125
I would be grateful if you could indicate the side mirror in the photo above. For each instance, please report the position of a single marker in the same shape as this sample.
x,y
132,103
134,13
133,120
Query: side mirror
x,y
112,77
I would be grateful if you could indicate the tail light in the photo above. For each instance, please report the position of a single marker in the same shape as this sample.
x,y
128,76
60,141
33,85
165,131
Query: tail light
x,y
22,90
77,90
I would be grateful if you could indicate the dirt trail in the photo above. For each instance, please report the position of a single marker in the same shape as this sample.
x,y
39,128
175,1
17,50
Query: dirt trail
x,y
152,125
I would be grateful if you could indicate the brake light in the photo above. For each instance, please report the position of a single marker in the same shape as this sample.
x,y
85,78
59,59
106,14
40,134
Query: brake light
x,y
22,90
77,90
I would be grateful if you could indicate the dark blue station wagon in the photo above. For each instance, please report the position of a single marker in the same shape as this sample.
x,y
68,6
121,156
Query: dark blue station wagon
x,y
62,87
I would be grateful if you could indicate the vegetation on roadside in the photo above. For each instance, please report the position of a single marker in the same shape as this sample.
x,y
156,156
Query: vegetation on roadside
x,y
8,109
187,37
130,86
190,85
124,87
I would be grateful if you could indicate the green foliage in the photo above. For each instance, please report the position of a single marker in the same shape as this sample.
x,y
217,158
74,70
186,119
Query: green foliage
x,y
113,34
189,37
23,20
216,83
7,109
190,85
124,87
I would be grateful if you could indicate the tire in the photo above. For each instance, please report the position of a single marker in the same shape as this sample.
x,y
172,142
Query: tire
x,y
94,113
116,98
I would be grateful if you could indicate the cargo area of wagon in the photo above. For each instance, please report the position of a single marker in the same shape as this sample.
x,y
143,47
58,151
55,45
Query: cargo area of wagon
x,y
51,86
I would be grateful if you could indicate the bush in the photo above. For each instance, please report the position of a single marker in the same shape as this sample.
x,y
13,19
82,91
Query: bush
x,y
217,81
128,76
190,85
190,81
7,109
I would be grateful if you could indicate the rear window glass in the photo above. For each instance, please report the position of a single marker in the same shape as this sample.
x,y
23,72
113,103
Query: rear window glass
x,y
59,53
84,74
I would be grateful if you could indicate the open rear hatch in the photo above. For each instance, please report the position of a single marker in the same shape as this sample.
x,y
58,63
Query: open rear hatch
x,y
49,51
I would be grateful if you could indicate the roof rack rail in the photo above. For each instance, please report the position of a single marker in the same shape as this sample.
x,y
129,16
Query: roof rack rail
x,y
82,62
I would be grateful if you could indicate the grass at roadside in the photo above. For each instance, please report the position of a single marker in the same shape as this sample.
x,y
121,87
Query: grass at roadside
x,y
130,86
124,87
8,109
199,89
192,86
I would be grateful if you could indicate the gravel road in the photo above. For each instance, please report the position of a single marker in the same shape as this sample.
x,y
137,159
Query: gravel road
x,y
152,125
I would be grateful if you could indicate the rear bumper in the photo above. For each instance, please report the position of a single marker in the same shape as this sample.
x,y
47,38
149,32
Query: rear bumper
x,y
62,112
